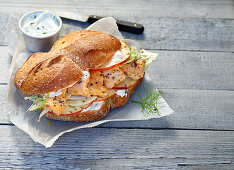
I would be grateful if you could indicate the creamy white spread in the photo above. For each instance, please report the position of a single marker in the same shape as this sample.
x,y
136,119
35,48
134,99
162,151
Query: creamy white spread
x,y
121,93
85,75
118,55
53,94
57,93
42,24
117,58
94,106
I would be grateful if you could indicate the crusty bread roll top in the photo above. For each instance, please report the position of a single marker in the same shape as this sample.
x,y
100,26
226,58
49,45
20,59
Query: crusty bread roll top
x,y
89,49
63,65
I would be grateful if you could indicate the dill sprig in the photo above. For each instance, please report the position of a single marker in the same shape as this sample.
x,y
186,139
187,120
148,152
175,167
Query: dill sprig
x,y
150,103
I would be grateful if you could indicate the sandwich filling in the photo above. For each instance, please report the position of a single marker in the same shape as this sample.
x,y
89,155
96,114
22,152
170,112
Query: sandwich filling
x,y
97,85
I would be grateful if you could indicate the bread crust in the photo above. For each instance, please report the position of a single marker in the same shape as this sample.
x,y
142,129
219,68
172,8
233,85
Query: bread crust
x,y
87,116
46,72
85,44
92,115
62,66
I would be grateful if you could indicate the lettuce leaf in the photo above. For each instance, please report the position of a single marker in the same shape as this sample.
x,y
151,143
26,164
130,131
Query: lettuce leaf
x,y
149,57
38,102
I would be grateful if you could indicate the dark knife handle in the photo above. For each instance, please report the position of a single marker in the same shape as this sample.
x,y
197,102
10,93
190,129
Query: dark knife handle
x,y
122,25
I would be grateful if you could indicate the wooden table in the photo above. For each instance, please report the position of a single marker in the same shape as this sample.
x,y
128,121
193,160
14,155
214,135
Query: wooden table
x,y
194,70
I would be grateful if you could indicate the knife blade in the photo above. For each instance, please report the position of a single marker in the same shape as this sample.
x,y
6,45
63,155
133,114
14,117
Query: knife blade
x,y
122,25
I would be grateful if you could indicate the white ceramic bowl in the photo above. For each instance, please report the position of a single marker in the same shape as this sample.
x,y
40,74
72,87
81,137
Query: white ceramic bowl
x,y
39,43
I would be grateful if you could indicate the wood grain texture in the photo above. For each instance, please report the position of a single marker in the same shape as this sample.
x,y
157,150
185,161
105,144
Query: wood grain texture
x,y
196,34
193,70
120,8
186,34
5,62
194,109
102,148
4,109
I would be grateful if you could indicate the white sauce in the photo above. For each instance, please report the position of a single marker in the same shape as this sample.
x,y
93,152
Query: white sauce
x,y
42,25
121,93
118,55
85,75
117,58
94,106
53,94
57,93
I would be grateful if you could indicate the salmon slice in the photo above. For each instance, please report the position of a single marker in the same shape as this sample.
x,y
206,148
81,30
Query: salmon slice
x,y
96,85
80,88
57,103
134,69
113,76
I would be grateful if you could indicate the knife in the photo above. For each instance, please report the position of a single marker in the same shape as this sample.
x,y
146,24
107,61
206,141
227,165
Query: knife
x,y
122,25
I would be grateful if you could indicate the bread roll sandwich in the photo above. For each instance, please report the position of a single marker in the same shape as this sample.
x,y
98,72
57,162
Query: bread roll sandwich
x,y
83,76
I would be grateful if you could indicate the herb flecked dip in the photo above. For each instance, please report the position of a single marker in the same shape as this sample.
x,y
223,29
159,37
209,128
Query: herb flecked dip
x,y
41,25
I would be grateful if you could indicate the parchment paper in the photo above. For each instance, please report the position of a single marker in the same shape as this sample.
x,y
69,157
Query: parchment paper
x,y
48,131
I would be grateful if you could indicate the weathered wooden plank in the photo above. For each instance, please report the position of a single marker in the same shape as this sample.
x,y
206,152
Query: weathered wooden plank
x,y
186,34
193,70
176,69
5,62
4,109
194,109
161,33
141,9
102,148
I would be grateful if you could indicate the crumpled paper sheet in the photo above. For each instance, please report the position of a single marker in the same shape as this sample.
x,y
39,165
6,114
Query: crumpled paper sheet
x,y
48,131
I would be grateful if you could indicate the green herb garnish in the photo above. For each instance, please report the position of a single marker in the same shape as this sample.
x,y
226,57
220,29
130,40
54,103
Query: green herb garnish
x,y
38,28
150,103
134,55
44,32
31,23
38,101
141,55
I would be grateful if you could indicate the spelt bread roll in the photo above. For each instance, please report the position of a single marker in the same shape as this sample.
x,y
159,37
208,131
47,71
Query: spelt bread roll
x,y
63,65
89,49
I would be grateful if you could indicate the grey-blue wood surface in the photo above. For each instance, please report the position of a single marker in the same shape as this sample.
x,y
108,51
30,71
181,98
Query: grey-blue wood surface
x,y
194,70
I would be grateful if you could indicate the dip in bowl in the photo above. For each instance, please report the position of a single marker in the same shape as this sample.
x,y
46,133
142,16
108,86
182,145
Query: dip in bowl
x,y
40,30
